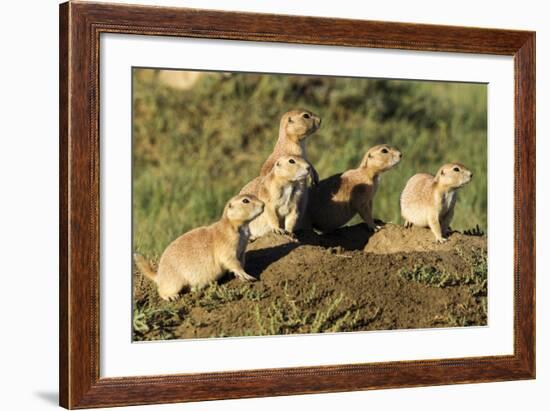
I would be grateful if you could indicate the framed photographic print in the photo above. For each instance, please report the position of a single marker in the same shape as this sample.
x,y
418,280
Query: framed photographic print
x,y
258,205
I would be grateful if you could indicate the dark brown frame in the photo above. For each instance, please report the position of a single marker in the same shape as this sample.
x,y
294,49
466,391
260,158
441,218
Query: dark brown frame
x,y
80,27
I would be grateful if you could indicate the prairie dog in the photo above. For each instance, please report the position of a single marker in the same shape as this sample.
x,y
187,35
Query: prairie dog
x,y
429,201
338,198
204,254
282,191
295,126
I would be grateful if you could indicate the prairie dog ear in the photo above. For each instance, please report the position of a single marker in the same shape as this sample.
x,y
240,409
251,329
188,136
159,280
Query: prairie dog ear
x,y
442,172
370,155
289,119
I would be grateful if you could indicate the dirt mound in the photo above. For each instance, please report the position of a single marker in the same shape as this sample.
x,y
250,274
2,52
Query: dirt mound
x,y
350,280
396,239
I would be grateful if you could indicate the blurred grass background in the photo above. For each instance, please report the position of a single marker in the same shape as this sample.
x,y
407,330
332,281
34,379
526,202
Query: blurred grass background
x,y
199,137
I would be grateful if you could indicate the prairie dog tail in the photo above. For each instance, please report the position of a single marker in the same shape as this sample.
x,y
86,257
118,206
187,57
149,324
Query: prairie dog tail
x,y
144,267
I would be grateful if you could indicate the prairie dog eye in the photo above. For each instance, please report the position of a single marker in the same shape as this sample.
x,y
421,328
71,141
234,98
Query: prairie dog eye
x,y
246,200
291,161
306,115
456,169
385,150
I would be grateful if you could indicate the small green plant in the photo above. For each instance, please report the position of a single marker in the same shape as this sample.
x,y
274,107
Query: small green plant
x,y
283,316
255,295
156,322
323,319
216,295
429,275
466,315
287,315
477,278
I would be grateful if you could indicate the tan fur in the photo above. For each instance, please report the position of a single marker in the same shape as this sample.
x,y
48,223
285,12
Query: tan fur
x,y
337,199
282,191
144,267
252,187
291,141
295,126
203,255
429,201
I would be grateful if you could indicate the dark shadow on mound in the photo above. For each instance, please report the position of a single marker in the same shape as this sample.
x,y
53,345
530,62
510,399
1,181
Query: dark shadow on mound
x,y
349,238
258,260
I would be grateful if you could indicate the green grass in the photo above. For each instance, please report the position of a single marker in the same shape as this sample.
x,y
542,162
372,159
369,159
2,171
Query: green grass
x,y
160,321
288,315
217,295
428,275
195,148
156,320
475,279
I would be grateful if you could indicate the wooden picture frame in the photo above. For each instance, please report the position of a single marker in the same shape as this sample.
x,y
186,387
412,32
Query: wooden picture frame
x,y
80,27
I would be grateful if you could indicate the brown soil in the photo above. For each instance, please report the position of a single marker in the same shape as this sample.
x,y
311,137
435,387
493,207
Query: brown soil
x,y
351,280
